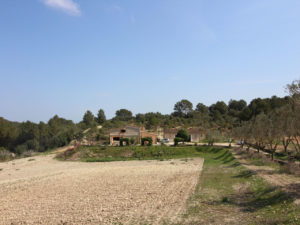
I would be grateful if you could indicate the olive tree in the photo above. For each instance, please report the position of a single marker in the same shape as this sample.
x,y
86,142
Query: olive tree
x,y
294,91
272,133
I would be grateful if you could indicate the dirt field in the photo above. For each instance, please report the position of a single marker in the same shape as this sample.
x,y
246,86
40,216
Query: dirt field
x,y
40,190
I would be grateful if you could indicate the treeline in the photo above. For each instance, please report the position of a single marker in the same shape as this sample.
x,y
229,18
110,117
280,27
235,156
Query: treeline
x,y
267,130
21,137
218,115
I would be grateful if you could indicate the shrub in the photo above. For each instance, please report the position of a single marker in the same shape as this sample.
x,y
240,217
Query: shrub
x,y
183,134
32,144
177,140
27,153
147,140
20,149
122,140
138,153
224,200
4,154
132,141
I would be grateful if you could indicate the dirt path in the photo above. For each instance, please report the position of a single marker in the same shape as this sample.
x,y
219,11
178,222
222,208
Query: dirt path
x,y
289,183
40,190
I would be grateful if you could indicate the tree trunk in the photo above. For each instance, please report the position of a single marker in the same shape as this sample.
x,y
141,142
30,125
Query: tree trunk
x,y
285,144
272,156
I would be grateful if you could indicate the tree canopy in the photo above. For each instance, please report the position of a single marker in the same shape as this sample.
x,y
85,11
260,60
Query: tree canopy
x,y
183,108
101,118
123,115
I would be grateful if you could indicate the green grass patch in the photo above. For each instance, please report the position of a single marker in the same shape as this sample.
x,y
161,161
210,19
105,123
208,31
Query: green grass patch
x,y
109,154
228,193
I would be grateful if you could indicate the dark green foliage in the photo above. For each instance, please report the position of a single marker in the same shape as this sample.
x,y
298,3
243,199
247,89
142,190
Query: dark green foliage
x,y
21,137
88,119
183,134
183,108
101,118
245,114
147,140
123,115
8,133
220,107
202,108
258,106
20,149
132,141
122,140
237,105
177,140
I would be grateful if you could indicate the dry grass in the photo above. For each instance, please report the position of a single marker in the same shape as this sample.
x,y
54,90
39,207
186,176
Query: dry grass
x,y
45,191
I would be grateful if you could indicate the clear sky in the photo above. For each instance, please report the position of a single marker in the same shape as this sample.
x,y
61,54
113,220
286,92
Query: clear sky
x,y
67,56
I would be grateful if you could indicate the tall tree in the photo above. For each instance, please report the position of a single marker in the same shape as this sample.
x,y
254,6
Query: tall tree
x,y
101,118
258,106
202,108
236,107
183,108
220,106
294,90
89,119
123,115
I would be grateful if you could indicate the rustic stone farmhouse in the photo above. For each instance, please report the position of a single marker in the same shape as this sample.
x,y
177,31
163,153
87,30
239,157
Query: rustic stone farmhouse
x,y
130,132
196,133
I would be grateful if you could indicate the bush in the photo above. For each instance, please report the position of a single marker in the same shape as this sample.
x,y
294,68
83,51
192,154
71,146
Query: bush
x,y
177,140
27,153
4,154
20,149
183,134
124,140
132,141
138,153
147,140
32,145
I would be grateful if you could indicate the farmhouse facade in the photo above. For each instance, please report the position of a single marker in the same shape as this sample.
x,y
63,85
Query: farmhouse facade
x,y
130,132
196,133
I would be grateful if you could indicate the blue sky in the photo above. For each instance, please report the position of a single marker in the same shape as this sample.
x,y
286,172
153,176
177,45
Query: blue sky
x,y
66,56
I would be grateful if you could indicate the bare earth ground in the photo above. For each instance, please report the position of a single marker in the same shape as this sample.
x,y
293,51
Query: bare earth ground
x,y
41,190
289,183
